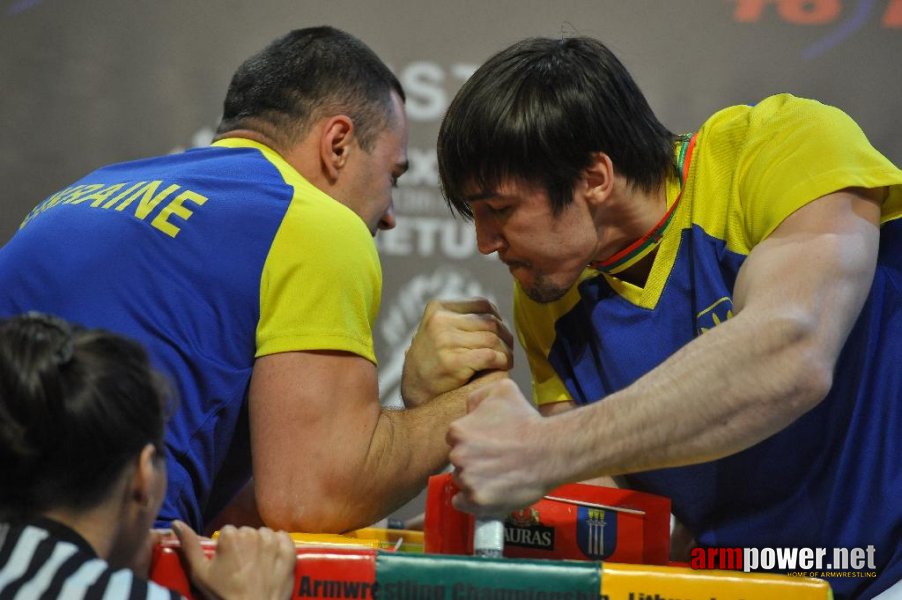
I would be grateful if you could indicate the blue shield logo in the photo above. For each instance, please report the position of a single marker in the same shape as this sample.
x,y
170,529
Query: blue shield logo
x,y
596,532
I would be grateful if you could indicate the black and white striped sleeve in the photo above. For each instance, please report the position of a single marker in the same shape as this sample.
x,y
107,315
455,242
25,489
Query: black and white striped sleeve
x,y
36,566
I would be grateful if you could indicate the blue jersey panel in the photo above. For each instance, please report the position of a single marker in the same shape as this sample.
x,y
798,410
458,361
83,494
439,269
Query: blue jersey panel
x,y
626,341
168,251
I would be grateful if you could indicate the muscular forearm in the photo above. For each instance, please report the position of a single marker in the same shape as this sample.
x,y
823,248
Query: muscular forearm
x,y
694,407
729,389
409,446
403,450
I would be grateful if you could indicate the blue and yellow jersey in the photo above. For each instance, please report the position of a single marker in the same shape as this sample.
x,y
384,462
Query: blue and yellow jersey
x,y
210,258
751,168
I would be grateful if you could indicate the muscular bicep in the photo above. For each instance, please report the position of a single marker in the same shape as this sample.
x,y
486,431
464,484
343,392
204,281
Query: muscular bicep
x,y
312,415
816,267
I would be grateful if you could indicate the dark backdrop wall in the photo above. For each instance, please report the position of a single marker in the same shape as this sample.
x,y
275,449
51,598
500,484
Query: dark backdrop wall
x,y
90,82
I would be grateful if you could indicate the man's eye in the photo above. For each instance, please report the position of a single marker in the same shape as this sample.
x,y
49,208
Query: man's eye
x,y
394,181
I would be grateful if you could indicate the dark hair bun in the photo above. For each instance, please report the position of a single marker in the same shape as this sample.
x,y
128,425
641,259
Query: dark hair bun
x,y
75,406
33,350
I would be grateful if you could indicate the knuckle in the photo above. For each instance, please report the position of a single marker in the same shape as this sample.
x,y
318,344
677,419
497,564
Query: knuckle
x,y
484,356
483,321
228,531
453,362
457,457
485,339
440,335
248,535
266,535
496,326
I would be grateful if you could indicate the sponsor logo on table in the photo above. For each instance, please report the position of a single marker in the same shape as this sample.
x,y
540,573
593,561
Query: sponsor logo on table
x,y
596,532
523,528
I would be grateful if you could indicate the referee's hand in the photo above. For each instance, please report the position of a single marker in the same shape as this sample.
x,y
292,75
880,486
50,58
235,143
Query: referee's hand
x,y
248,564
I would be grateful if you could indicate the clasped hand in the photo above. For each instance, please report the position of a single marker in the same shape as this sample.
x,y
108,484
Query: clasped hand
x,y
455,341
497,452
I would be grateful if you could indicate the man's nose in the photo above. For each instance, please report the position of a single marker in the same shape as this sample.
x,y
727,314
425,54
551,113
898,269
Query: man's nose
x,y
388,218
488,237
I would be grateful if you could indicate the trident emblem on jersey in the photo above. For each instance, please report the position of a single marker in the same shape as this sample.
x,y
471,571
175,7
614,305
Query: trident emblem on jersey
x,y
714,315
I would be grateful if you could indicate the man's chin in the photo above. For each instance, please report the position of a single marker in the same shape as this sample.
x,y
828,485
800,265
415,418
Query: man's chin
x,y
542,292
536,287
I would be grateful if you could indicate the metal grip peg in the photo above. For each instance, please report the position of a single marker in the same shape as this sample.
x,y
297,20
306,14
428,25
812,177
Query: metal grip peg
x,y
488,538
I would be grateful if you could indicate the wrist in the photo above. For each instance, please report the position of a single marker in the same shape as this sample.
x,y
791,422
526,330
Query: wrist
x,y
564,460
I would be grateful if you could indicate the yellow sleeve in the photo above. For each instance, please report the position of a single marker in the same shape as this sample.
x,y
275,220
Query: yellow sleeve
x,y
535,330
322,281
798,150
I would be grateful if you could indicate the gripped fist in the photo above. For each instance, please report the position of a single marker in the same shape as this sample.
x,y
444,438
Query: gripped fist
x,y
496,451
455,340
248,563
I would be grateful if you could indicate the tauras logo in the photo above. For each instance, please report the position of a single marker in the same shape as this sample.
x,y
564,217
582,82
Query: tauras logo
x,y
536,536
523,528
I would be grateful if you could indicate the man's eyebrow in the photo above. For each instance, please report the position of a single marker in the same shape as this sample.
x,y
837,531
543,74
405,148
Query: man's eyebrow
x,y
486,195
401,168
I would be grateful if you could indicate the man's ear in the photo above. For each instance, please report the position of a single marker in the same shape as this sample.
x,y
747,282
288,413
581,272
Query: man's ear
x,y
144,477
335,144
599,178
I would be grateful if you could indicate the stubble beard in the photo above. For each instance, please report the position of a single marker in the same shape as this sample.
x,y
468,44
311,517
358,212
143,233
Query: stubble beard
x,y
544,291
